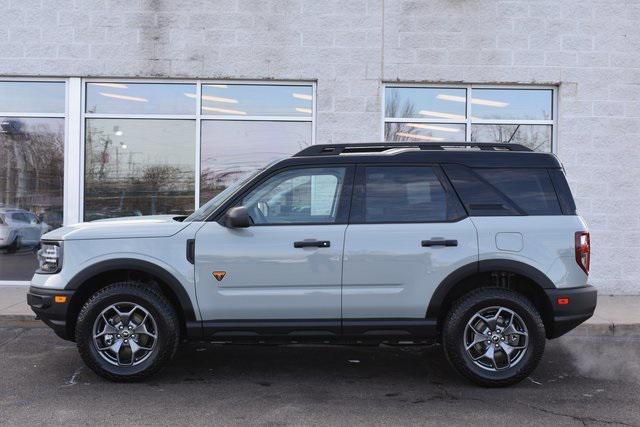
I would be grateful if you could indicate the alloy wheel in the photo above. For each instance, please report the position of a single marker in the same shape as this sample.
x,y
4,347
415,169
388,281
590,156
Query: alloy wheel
x,y
496,338
125,334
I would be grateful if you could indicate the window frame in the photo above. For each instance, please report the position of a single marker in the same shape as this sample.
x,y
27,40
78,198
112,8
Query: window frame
x,y
468,121
198,117
68,214
357,213
344,203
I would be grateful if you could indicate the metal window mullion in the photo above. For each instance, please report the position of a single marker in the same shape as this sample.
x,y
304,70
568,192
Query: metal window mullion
x,y
83,142
421,120
141,116
511,122
198,143
313,114
72,193
34,115
468,112
259,118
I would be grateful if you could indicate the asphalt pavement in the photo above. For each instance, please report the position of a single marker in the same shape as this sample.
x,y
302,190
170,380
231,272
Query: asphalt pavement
x,y
580,381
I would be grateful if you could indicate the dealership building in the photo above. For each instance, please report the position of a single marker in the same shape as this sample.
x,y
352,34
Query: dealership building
x,y
117,107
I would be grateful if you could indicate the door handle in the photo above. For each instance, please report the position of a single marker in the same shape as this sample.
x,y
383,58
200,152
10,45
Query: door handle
x,y
439,242
312,244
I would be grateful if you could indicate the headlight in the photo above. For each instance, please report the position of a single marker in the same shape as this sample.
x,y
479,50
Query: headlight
x,y
50,257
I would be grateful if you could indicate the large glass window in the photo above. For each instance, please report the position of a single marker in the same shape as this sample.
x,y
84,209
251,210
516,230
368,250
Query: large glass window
x,y
32,134
470,113
143,141
138,167
233,149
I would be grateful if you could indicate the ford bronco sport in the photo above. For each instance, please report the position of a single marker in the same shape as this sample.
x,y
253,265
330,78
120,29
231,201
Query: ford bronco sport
x,y
476,245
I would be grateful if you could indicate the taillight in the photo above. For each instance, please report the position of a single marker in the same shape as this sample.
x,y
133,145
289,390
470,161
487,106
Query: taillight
x,y
583,250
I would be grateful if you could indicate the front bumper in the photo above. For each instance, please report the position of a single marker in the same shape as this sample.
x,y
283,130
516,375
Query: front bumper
x,y
580,307
54,314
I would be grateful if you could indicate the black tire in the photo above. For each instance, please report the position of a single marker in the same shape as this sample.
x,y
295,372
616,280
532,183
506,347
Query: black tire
x,y
168,330
14,246
453,333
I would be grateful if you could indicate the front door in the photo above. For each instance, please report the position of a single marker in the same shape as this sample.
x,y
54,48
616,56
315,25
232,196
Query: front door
x,y
287,266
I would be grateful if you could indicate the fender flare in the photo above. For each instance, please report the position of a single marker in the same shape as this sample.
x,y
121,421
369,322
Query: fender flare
x,y
140,265
510,266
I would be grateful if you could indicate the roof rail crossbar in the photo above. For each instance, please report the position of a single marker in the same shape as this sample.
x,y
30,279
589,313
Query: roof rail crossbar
x,y
336,149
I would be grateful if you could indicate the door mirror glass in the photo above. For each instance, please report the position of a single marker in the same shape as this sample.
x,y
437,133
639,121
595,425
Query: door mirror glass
x,y
237,218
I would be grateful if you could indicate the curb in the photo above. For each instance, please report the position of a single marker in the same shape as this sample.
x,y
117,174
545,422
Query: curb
x,y
622,330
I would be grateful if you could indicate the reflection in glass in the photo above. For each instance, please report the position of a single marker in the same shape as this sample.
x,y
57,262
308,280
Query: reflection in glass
x,y
257,100
138,167
427,103
297,196
424,132
232,149
536,137
141,98
512,104
31,184
32,97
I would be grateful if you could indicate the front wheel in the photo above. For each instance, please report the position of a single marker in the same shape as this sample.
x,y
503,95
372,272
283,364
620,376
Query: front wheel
x,y
494,337
127,332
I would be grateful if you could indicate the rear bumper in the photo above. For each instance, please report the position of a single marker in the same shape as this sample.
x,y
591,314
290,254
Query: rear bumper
x,y
54,314
580,307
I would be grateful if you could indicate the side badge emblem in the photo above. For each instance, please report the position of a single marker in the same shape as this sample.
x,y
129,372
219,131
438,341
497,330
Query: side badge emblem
x,y
219,275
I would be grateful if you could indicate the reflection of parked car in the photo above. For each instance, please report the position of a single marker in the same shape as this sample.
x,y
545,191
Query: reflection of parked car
x,y
19,228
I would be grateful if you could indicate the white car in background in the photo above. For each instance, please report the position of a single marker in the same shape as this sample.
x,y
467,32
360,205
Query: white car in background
x,y
20,228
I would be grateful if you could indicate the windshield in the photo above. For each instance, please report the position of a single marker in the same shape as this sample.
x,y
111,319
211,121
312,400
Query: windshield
x,y
213,204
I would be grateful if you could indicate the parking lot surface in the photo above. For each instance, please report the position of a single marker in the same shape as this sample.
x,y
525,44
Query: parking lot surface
x,y
580,381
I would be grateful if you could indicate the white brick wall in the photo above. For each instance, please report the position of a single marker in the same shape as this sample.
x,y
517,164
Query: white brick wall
x,y
591,49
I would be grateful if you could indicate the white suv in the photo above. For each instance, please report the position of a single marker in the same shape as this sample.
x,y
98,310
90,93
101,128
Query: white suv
x,y
476,245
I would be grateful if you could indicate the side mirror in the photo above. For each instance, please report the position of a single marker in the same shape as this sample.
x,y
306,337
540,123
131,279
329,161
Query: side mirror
x,y
237,218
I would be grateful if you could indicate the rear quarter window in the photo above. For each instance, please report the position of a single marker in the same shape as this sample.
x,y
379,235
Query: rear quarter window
x,y
505,191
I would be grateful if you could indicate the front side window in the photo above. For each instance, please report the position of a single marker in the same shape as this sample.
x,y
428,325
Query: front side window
x,y
297,196
403,194
521,115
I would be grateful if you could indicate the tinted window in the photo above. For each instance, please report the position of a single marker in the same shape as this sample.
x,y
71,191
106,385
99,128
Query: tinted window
x,y
504,191
296,197
564,192
403,194
480,198
530,189
19,217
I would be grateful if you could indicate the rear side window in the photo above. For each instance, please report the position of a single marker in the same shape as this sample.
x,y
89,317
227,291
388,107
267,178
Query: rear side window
x,y
403,194
505,191
563,191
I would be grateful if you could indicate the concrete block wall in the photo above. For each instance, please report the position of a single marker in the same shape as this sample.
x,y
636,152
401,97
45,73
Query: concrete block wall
x,y
589,48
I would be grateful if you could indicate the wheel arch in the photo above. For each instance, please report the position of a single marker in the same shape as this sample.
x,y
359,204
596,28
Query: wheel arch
x,y
509,274
91,279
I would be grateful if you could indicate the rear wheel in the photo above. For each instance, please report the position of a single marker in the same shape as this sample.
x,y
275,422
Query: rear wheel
x,y
127,332
494,337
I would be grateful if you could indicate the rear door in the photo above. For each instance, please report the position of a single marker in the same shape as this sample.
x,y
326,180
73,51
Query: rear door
x,y
407,232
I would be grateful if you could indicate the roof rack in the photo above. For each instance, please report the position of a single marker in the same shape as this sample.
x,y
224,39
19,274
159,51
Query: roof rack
x,y
379,147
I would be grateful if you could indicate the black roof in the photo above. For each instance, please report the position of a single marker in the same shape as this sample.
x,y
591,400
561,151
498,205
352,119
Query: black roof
x,y
467,153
